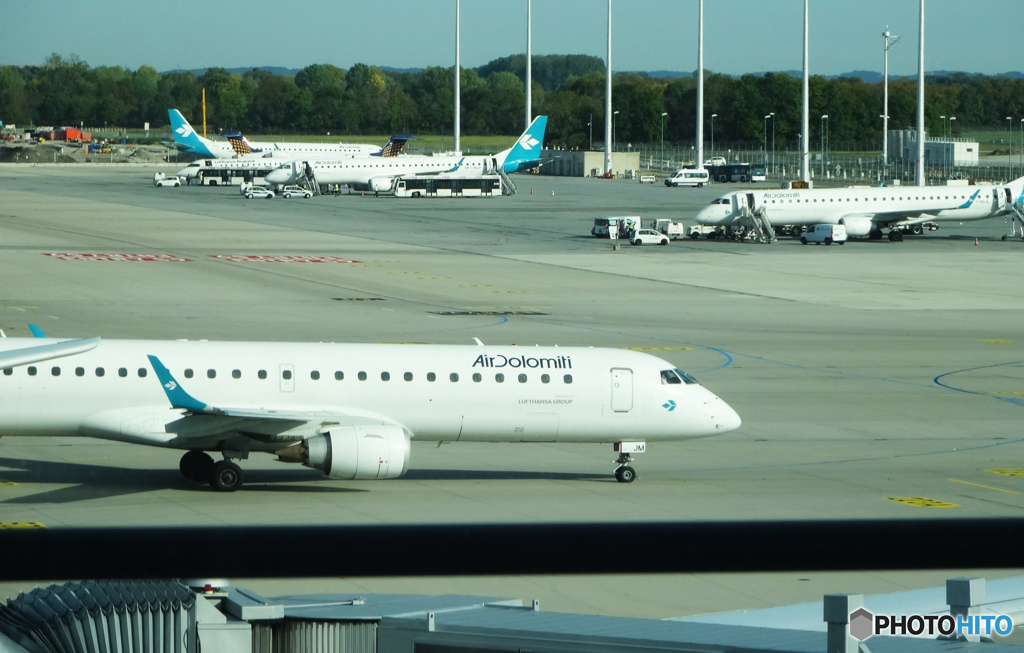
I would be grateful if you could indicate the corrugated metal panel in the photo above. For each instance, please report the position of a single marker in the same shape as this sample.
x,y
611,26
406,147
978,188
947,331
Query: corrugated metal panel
x,y
262,637
324,637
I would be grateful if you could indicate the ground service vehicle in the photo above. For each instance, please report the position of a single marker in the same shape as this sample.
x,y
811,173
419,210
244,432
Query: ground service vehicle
x,y
824,234
602,226
160,180
671,229
738,172
288,191
688,177
258,191
641,236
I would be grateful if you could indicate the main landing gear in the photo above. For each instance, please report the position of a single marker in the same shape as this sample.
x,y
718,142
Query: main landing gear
x,y
624,473
199,466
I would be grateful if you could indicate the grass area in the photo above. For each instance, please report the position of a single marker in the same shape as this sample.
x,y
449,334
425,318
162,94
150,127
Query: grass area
x,y
990,141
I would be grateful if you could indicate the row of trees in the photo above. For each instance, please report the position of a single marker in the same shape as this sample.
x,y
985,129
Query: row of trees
x,y
569,89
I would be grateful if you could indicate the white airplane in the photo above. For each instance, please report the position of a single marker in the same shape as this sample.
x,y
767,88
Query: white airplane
x,y
186,138
378,174
347,409
866,210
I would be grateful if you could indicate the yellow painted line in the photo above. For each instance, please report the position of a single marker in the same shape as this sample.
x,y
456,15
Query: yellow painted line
x,y
475,285
987,487
509,308
1009,393
922,502
659,348
998,342
22,308
20,524
435,278
399,342
9,484
1015,473
513,292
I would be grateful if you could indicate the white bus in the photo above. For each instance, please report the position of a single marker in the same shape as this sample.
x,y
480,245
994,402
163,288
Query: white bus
x,y
438,186
688,177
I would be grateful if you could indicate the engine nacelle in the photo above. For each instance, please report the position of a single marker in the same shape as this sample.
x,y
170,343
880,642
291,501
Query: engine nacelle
x,y
857,226
381,184
360,452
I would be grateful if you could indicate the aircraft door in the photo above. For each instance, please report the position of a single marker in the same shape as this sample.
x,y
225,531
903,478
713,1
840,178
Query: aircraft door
x,y
1009,196
622,390
750,202
287,377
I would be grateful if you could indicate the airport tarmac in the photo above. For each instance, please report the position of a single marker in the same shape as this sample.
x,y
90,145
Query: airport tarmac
x,y
864,373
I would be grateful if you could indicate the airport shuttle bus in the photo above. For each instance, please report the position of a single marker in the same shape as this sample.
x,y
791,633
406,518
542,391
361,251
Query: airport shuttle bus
x,y
865,211
442,186
349,410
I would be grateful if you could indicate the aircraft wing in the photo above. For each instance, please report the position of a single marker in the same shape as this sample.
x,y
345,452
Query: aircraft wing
x,y
27,355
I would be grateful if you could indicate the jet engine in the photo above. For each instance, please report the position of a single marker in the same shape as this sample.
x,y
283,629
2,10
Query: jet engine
x,y
381,184
354,452
857,226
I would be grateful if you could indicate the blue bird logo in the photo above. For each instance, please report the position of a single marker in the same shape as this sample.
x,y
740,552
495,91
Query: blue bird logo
x,y
669,405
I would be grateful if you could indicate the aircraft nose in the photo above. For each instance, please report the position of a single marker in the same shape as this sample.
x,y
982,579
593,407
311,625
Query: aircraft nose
x,y
721,415
279,176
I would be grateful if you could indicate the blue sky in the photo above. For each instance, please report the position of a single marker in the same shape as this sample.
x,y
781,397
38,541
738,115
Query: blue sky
x,y
740,35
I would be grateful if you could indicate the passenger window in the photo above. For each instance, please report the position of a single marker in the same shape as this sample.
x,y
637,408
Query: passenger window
x,y
236,374
477,378
567,378
285,374
212,374
142,372
262,374
315,375
362,376
500,378
32,371
431,376
408,376
545,378
122,372
55,371
522,378
188,373
100,371
453,377
8,371
339,375
385,376
79,371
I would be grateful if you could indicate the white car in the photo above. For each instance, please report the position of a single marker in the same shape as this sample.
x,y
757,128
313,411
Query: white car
x,y
173,182
259,191
824,233
641,236
297,191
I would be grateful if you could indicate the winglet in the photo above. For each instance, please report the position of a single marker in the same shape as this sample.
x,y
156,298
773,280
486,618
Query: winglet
x,y
175,393
36,331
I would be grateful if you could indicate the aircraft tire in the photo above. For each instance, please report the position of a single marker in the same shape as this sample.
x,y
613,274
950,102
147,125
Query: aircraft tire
x,y
187,463
917,230
226,476
795,231
202,468
625,474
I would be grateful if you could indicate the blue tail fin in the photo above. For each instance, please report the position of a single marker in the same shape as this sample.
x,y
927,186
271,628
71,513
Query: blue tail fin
x,y
525,154
187,137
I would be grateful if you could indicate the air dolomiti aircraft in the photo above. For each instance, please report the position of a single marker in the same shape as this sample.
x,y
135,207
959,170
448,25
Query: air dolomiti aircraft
x,y
347,409
378,174
186,138
865,211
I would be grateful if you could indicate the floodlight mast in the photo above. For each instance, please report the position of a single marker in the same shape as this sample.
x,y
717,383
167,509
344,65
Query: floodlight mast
x,y
885,95
700,86
608,100
529,64
805,156
919,170
458,80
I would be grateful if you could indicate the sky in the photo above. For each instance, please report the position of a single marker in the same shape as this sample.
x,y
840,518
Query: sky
x,y
740,36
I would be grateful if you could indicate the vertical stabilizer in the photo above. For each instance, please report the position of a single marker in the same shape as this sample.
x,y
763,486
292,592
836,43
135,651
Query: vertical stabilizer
x,y
525,154
187,138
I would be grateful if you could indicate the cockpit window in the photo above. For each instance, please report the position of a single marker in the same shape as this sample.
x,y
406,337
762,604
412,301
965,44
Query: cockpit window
x,y
676,377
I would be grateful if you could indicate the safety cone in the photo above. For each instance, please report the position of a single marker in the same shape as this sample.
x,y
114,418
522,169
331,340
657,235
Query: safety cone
x,y
975,242
531,191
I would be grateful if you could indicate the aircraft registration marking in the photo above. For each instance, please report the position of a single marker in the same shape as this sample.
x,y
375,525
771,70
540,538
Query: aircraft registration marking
x,y
65,256
269,258
922,502
21,524
998,342
986,487
1015,473
659,348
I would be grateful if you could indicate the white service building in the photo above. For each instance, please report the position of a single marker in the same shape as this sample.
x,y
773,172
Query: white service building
x,y
937,151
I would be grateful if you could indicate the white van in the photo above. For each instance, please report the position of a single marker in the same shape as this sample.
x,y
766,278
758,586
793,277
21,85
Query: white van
x,y
824,233
688,177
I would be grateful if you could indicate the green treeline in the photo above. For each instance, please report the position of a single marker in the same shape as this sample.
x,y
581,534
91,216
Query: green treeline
x,y
568,88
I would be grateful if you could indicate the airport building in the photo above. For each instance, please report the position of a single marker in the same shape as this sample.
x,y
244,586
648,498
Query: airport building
x,y
582,163
937,151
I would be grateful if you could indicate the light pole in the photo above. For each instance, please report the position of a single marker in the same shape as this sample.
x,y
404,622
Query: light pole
x,y
943,119
591,125
885,94
663,114
950,122
774,168
1009,152
614,113
1022,143
715,115
824,140
766,139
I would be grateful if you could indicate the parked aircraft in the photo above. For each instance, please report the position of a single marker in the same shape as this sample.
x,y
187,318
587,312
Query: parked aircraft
x,y
865,210
378,174
186,138
347,409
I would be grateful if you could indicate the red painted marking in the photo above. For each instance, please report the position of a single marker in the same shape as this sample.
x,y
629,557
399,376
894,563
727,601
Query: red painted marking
x,y
267,258
65,256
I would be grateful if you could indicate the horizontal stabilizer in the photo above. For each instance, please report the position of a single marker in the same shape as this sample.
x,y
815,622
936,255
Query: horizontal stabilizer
x,y
27,355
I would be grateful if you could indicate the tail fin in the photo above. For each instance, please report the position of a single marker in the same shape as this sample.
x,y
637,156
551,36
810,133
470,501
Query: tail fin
x,y
186,137
240,144
394,146
525,154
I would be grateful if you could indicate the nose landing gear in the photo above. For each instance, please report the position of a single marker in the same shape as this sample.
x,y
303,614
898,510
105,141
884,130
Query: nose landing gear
x,y
624,473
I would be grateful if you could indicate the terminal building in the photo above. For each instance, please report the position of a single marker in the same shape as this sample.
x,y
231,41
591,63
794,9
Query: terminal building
x,y
938,152
583,163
